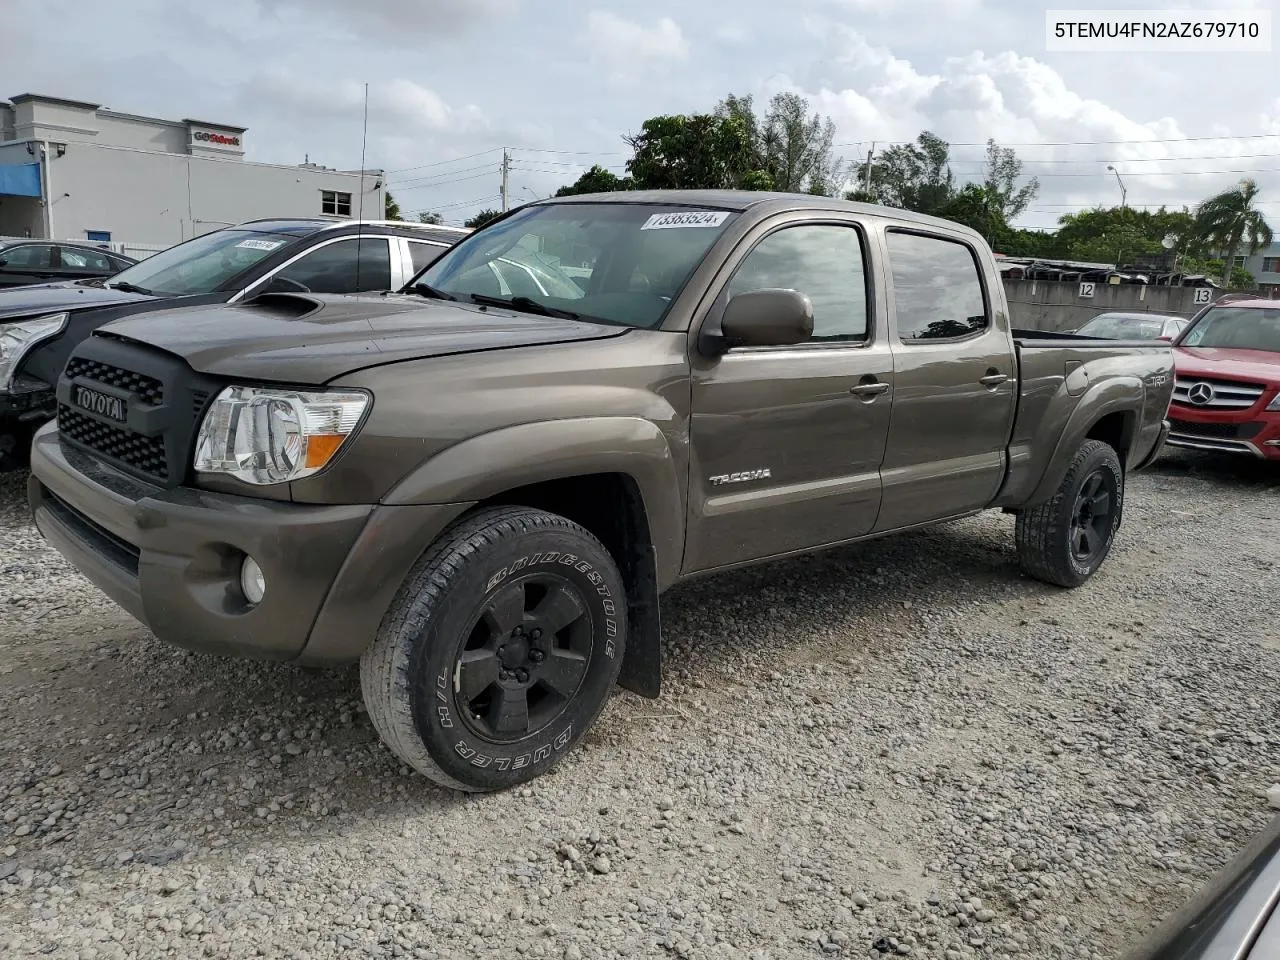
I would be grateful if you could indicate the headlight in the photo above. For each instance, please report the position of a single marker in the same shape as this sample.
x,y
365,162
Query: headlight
x,y
1274,405
272,436
19,337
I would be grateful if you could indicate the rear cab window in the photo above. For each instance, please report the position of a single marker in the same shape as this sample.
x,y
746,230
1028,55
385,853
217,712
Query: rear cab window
x,y
937,288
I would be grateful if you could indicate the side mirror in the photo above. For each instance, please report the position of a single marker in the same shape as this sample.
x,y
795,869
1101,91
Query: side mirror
x,y
766,318
3,262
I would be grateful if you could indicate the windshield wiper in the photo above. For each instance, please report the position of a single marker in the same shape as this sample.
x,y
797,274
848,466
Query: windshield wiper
x,y
130,288
525,305
426,290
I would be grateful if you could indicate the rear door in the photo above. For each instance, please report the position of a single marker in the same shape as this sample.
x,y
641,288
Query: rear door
x,y
785,454
955,380
26,263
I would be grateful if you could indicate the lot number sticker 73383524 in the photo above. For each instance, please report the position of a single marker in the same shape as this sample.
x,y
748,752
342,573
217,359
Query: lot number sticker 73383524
x,y
692,218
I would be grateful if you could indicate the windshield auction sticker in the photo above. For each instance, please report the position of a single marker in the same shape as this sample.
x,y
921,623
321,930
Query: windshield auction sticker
x,y
260,244
671,221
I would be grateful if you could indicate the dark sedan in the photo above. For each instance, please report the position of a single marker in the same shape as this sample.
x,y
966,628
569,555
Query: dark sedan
x,y
24,262
1235,917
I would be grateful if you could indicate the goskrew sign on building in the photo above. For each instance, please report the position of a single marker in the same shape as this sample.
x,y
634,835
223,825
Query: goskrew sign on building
x,y
213,138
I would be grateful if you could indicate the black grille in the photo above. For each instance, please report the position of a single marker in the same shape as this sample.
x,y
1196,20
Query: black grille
x,y
144,454
1218,431
148,389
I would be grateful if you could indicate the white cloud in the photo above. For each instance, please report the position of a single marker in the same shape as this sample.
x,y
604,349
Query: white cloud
x,y
407,21
616,37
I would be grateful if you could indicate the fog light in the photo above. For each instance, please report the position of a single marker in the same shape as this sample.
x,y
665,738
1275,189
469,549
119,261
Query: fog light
x,y
252,582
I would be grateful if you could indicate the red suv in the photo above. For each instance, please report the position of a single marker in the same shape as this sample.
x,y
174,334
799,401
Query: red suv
x,y
1227,392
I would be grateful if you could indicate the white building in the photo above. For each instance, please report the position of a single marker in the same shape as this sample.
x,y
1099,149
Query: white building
x,y
77,171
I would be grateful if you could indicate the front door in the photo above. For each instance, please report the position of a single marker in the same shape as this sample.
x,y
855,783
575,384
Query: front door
x,y
955,383
785,454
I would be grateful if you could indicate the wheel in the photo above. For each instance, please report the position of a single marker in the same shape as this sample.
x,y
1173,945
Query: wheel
x,y
1065,540
499,650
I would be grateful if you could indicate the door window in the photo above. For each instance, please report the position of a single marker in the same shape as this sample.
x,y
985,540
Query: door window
x,y
936,287
86,260
29,256
424,254
346,266
823,261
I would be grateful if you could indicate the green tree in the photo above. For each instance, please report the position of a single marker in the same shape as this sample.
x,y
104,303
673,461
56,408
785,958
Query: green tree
x,y
392,208
1229,222
1003,170
793,147
914,176
596,180
701,151
435,219
977,207
483,217
1123,234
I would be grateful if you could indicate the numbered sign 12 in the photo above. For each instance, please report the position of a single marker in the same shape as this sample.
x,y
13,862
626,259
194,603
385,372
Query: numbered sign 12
x,y
1086,288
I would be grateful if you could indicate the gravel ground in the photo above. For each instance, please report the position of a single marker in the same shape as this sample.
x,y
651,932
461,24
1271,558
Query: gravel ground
x,y
903,749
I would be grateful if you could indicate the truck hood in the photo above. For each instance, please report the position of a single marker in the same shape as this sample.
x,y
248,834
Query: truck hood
x,y
1223,363
44,298
314,338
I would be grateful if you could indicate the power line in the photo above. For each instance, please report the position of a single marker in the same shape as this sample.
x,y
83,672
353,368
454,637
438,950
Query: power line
x,y
440,163
1074,143
443,183
440,176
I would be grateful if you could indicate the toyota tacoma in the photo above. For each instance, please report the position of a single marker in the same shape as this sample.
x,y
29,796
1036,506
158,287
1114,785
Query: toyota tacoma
x,y
479,488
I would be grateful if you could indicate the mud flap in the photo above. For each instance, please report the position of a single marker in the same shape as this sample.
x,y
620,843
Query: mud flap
x,y
642,663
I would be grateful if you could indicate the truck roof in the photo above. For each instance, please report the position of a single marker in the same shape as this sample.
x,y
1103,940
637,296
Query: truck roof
x,y
769,201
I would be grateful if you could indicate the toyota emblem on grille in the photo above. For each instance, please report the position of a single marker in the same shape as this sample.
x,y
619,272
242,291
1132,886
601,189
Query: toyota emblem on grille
x,y
1200,394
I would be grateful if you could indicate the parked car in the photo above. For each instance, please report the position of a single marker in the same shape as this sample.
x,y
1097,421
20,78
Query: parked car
x,y
1236,916
481,496
39,325
1133,326
1227,394
24,262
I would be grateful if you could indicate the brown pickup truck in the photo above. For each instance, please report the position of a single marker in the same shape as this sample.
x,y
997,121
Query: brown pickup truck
x,y
479,487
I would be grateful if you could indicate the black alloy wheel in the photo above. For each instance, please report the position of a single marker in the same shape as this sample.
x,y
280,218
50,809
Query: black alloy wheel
x,y
1093,516
525,658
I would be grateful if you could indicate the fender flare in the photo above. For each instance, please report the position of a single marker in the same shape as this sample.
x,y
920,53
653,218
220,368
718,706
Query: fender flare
x,y
1115,395
492,463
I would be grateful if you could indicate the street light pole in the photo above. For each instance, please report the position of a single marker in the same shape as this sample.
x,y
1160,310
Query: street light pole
x,y
1123,193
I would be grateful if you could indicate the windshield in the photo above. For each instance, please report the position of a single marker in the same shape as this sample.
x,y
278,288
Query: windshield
x,y
622,263
200,265
1111,327
1237,328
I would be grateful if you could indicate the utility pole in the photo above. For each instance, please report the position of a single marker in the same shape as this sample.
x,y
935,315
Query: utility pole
x,y
866,185
506,172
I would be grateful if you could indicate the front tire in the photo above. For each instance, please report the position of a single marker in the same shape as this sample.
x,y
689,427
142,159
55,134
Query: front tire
x,y
499,650
1065,540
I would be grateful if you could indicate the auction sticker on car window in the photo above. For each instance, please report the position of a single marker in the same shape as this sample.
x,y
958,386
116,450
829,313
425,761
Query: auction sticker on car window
x,y
670,221
260,244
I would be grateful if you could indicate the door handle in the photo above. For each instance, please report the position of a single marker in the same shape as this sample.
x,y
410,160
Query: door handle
x,y
873,389
993,379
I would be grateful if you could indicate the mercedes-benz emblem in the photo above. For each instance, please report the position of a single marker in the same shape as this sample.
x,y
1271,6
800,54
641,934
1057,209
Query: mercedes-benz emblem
x,y
1200,394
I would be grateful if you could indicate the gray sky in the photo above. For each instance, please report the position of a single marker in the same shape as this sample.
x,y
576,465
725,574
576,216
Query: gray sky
x,y
561,83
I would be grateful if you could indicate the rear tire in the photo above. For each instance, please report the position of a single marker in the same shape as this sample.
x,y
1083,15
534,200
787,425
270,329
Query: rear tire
x,y
1066,539
499,650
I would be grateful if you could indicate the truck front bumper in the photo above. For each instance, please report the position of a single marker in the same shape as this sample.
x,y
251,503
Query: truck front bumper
x,y
173,558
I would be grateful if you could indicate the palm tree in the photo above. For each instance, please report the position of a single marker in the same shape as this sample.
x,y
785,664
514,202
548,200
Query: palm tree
x,y
1230,221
